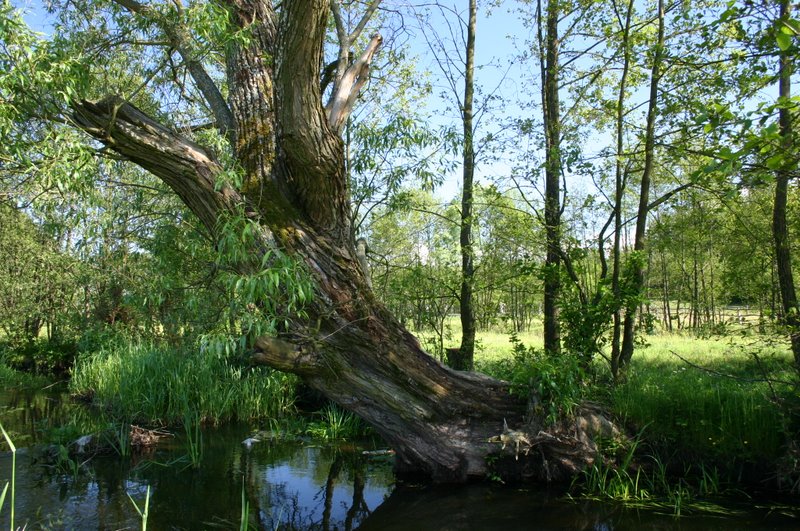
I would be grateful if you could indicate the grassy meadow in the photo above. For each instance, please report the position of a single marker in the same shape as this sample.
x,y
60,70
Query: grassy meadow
x,y
696,404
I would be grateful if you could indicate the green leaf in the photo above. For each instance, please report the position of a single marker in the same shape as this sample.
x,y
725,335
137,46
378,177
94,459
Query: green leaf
x,y
784,41
790,27
775,162
3,495
8,439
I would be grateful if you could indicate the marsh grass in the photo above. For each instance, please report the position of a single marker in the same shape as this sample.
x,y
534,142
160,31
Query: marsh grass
x,y
334,423
117,437
10,377
148,383
194,439
647,482
13,483
722,401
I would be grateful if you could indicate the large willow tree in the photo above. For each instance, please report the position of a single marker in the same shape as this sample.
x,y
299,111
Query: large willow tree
x,y
281,111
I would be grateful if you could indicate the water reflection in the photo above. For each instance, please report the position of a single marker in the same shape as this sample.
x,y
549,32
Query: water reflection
x,y
481,507
287,485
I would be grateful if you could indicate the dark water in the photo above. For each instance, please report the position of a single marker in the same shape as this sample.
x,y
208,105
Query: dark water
x,y
287,485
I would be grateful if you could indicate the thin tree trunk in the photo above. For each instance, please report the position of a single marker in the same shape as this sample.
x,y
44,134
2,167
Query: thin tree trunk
x,y
637,279
552,194
773,299
619,189
713,303
467,307
704,291
695,291
780,229
665,291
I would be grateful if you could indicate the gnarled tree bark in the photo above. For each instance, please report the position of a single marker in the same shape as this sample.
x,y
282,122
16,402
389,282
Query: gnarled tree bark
x,y
350,347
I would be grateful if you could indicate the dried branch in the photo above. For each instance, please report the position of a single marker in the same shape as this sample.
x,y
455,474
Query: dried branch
x,y
346,90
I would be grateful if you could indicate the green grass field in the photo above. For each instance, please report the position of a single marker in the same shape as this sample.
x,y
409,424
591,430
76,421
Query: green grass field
x,y
720,400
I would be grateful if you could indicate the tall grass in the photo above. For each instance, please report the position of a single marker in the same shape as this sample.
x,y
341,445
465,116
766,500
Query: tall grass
x,y
699,398
335,423
10,377
149,383
730,404
13,483
718,406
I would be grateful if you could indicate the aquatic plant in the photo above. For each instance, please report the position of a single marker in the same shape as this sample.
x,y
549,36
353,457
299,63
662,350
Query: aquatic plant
x,y
13,482
152,384
649,484
65,464
244,520
143,513
118,437
194,438
335,423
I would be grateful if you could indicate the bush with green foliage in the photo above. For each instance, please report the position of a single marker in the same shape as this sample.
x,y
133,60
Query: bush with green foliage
x,y
40,356
558,381
38,282
10,377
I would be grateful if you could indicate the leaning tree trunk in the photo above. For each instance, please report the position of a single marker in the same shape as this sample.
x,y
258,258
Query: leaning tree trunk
x,y
349,347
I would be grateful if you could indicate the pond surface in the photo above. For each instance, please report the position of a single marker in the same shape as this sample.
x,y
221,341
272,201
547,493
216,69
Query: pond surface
x,y
285,485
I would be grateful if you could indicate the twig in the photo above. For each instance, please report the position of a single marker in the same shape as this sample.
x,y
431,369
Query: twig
x,y
731,376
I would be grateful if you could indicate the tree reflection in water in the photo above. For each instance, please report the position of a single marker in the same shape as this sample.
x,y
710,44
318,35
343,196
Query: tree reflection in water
x,y
288,485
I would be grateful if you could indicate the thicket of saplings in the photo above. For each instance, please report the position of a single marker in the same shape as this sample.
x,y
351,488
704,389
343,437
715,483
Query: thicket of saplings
x,y
706,413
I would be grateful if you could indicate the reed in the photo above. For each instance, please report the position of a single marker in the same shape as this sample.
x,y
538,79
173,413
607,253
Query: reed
x,y
149,383
13,483
117,436
194,438
335,423
649,485
145,511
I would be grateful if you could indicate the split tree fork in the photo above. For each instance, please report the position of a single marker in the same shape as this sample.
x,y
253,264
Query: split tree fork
x,y
288,144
